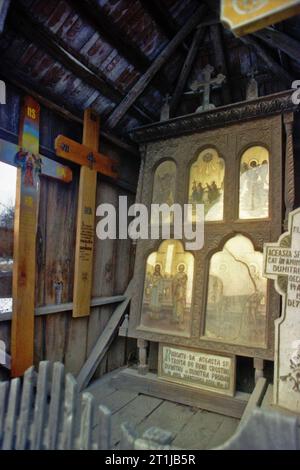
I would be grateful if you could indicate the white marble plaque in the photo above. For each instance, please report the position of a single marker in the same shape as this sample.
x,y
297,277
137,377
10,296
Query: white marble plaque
x,y
194,368
282,263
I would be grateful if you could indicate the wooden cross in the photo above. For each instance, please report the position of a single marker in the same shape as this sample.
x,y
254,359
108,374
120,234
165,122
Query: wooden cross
x,y
92,162
282,263
206,84
30,166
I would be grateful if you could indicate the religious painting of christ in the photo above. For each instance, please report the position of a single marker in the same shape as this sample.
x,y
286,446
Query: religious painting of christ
x,y
237,295
254,184
164,185
207,184
168,287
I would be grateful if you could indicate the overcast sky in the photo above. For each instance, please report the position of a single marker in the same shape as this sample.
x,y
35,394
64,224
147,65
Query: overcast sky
x,y
7,185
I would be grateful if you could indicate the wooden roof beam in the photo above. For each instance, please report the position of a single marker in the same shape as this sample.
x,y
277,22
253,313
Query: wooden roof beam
x,y
72,60
49,100
118,39
186,69
280,40
4,7
221,65
144,81
162,18
284,76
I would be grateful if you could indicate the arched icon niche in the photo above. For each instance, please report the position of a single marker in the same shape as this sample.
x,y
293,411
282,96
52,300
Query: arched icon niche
x,y
237,295
207,184
254,184
168,289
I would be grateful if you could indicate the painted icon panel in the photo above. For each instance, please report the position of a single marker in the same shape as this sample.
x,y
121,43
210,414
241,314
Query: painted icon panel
x,y
237,295
164,187
254,184
207,184
167,299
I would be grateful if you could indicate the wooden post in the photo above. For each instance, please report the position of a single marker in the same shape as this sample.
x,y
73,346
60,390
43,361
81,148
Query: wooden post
x,y
143,360
259,368
289,185
86,222
26,211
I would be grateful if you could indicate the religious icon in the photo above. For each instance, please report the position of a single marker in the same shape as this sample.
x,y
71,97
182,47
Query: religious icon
x,y
254,184
237,290
207,184
164,185
168,290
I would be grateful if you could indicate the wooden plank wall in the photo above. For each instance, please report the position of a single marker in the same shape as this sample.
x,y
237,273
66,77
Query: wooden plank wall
x,y
59,337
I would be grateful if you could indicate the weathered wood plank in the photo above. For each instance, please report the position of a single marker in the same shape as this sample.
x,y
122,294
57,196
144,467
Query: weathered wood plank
x,y
67,307
11,416
26,408
104,341
199,430
150,384
168,416
40,407
118,400
4,388
87,410
70,413
225,431
24,266
104,428
55,406
255,399
137,410
84,248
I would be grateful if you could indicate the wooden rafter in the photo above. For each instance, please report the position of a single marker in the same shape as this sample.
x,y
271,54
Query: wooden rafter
x,y
162,18
118,39
144,81
280,40
186,69
9,73
4,7
72,60
274,67
221,61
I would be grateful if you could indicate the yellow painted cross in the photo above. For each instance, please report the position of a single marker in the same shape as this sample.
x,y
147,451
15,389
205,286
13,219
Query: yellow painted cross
x,y
92,162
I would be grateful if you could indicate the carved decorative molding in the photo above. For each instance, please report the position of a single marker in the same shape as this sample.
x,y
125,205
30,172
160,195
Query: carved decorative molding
x,y
220,117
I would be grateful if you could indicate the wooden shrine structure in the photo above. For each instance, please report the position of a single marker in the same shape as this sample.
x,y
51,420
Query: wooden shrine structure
x,y
169,104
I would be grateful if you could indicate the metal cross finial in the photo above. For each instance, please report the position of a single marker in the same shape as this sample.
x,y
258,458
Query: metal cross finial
x,y
206,84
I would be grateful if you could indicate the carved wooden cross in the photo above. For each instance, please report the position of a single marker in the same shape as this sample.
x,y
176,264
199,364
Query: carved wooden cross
x,y
92,162
282,263
30,166
206,84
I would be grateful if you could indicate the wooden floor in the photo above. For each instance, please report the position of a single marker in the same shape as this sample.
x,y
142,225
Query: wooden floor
x,y
191,428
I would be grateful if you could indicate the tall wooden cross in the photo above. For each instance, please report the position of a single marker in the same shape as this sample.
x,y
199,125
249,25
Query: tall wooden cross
x,y
282,263
207,82
31,165
92,162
